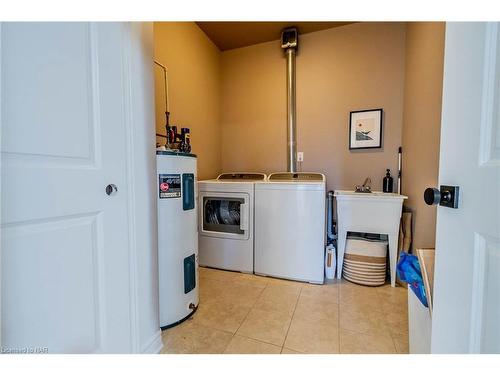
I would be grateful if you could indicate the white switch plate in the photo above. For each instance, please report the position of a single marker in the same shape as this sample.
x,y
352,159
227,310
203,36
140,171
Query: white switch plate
x,y
300,156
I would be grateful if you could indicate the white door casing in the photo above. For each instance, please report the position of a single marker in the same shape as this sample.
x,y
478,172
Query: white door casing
x,y
68,274
467,270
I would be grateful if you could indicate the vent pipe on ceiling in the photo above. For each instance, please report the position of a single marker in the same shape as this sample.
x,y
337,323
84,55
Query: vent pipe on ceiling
x,y
289,42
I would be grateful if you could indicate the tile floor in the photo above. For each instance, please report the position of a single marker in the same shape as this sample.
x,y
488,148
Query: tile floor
x,y
240,313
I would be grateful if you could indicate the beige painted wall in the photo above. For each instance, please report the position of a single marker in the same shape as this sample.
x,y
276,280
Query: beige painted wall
x,y
235,103
354,67
193,63
422,123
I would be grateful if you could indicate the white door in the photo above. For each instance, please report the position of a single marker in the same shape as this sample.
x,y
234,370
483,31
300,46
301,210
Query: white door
x,y
467,270
64,260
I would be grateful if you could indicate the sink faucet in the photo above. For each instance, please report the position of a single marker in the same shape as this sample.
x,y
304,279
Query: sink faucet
x,y
368,183
366,187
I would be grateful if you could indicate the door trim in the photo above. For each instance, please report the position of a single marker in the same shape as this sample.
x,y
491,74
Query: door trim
x,y
135,113
130,178
1,127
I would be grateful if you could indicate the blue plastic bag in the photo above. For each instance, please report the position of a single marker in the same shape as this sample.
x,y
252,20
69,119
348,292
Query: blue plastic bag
x,y
408,270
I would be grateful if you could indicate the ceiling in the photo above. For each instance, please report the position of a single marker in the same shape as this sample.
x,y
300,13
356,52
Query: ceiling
x,y
229,35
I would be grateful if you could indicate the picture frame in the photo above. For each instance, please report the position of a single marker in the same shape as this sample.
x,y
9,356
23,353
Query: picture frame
x,y
365,129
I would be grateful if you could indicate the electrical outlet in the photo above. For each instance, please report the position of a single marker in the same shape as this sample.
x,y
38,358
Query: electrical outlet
x,y
300,156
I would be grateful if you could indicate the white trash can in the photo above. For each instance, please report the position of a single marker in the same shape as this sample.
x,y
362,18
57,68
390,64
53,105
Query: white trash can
x,y
330,262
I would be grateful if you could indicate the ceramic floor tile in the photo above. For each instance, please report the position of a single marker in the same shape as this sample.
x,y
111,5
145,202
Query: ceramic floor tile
x,y
252,280
399,308
269,313
346,287
356,343
223,316
317,308
362,302
215,274
233,277
278,298
190,337
329,292
363,297
267,326
361,319
388,291
212,290
289,351
245,345
291,286
396,322
401,343
310,336
399,304
394,297
240,294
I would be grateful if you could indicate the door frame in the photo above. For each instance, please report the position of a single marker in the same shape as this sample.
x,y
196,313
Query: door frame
x,y
140,166
130,173
1,127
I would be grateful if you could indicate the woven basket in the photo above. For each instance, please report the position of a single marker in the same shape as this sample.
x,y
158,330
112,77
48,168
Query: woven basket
x,y
365,261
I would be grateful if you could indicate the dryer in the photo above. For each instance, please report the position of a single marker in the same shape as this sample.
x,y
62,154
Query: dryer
x,y
290,226
226,221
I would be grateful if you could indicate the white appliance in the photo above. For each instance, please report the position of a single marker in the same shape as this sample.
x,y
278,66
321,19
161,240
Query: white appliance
x,y
290,226
177,236
226,234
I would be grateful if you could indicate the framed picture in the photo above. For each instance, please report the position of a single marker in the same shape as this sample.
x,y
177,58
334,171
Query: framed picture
x,y
365,129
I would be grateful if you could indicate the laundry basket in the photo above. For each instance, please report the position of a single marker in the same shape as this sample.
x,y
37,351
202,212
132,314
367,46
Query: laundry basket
x,y
365,260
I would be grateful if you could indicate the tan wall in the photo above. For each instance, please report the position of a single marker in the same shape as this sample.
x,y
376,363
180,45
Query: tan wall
x,y
235,103
193,63
354,67
422,123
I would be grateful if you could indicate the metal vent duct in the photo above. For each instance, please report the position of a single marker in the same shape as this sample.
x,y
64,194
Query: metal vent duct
x,y
289,42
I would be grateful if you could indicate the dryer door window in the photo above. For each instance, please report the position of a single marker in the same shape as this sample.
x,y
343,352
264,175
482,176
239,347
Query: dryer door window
x,y
224,215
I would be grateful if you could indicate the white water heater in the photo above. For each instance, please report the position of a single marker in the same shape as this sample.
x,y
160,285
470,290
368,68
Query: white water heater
x,y
177,236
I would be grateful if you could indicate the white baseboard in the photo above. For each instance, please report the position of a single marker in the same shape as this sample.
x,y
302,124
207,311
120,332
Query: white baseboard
x,y
154,345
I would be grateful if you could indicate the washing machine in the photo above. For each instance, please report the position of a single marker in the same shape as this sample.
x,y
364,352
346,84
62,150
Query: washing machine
x,y
226,221
290,224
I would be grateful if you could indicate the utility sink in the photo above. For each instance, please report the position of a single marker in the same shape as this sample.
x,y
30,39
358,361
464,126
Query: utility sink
x,y
374,212
370,194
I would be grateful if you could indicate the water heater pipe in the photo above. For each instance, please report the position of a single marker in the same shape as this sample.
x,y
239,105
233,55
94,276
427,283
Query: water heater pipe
x,y
289,42
165,78
291,111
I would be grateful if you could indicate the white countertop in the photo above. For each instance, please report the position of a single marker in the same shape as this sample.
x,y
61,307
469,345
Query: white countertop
x,y
373,194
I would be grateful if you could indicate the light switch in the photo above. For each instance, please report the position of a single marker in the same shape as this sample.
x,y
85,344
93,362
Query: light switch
x,y
300,156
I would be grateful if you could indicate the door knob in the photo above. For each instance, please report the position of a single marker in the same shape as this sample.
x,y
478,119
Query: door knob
x,y
111,189
432,196
446,196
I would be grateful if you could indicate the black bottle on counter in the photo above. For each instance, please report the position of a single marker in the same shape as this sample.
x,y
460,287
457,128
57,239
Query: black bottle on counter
x,y
388,182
